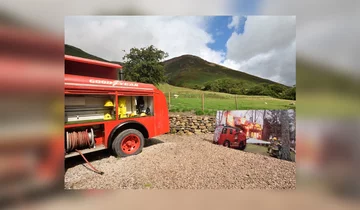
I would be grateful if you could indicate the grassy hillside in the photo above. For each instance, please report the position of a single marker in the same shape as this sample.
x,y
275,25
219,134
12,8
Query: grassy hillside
x,y
188,71
74,51
324,78
328,92
191,100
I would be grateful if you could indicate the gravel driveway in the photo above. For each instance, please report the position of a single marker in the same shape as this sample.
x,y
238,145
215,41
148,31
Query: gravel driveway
x,y
182,162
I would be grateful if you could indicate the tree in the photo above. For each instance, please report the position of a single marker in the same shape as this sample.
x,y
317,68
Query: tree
x,y
265,127
256,90
285,135
292,127
219,117
274,121
144,65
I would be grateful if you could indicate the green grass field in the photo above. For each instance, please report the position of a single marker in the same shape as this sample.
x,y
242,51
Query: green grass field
x,y
191,100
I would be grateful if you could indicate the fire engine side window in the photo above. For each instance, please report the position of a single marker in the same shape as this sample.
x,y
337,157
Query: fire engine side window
x,y
224,130
144,105
80,108
135,106
230,131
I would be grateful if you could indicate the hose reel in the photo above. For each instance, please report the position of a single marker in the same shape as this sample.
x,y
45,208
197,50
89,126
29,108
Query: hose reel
x,y
79,140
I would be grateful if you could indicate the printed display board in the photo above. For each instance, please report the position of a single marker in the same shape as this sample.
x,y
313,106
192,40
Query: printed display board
x,y
217,133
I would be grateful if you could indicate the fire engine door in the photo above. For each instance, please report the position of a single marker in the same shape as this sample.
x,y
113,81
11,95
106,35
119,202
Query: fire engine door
x,y
232,137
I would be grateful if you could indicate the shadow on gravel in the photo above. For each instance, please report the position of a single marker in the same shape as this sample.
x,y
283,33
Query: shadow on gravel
x,y
77,160
152,141
98,155
208,140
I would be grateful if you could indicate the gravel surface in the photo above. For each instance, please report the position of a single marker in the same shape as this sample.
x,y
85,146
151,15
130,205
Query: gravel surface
x,y
182,162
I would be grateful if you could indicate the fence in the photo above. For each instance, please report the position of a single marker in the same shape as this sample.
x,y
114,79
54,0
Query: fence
x,y
205,102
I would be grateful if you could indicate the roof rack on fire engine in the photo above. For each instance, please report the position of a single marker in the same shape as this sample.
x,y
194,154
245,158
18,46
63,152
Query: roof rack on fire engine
x,y
92,68
90,61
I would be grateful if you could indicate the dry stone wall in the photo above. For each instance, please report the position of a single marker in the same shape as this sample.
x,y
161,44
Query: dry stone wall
x,y
190,125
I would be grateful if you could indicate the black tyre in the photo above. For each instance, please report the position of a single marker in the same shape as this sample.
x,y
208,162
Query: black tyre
x,y
242,146
227,143
128,142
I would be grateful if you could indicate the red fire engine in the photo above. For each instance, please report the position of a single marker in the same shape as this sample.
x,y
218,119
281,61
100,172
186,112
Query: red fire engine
x,y
32,144
102,112
230,137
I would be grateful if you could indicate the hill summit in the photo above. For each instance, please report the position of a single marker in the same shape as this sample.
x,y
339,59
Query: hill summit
x,y
194,72
189,70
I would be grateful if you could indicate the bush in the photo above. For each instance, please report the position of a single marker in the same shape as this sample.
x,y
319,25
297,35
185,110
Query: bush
x,y
289,94
243,88
256,90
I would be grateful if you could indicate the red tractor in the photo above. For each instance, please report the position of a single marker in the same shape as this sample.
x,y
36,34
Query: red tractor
x,y
230,137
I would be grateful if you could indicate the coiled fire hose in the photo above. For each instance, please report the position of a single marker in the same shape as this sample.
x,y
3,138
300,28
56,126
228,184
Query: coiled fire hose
x,y
79,140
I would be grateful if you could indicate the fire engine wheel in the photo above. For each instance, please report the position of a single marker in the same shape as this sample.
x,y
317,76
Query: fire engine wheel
x,y
129,142
227,143
242,146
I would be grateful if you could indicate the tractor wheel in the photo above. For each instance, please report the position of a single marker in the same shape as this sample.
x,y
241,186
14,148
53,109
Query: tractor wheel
x,y
227,143
128,142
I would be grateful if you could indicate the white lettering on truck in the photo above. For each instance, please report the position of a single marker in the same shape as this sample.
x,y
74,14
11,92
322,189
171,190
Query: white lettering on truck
x,y
113,83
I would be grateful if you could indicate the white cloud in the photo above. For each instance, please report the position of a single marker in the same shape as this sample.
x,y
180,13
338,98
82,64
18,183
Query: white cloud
x,y
235,22
276,65
108,36
327,31
49,14
266,48
231,64
254,52
262,34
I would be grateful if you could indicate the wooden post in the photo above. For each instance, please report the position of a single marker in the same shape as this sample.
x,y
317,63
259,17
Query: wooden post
x,y
169,101
203,101
236,103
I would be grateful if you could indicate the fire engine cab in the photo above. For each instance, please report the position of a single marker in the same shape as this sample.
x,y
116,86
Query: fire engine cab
x,y
102,112
230,137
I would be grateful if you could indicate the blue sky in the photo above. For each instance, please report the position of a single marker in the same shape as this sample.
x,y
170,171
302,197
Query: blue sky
x,y
247,7
218,28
